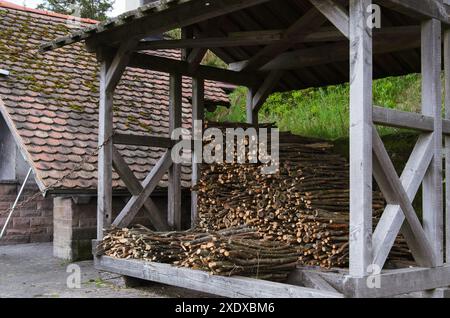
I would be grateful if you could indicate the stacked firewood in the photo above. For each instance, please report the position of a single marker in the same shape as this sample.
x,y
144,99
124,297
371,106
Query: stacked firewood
x,y
236,251
305,204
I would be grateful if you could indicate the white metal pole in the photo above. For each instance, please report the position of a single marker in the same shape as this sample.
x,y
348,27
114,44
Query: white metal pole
x,y
15,203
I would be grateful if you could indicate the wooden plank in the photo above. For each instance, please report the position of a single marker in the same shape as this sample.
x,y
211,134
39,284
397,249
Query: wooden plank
x,y
105,131
433,217
393,218
138,140
398,282
167,65
136,202
335,13
183,14
233,287
360,139
395,193
271,81
447,142
135,188
252,115
174,188
314,280
198,114
422,9
310,21
400,119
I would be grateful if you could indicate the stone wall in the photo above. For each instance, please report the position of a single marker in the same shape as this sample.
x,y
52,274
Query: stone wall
x,y
29,224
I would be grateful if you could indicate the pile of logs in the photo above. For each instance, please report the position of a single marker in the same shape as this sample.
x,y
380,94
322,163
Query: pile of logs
x,y
305,204
237,251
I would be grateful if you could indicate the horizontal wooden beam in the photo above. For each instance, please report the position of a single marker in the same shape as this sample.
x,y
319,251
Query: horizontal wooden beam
x,y
166,65
398,282
421,9
233,287
400,119
148,141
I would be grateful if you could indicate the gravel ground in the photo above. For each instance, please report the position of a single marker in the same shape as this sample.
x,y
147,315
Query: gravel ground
x,y
30,271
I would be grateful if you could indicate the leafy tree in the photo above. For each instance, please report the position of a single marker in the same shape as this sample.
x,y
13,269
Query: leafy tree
x,y
92,9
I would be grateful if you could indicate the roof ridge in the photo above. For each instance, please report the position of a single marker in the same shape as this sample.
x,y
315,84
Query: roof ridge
x,y
10,5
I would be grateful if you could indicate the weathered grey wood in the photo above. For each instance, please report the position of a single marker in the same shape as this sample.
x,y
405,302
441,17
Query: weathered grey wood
x,y
266,37
137,201
400,119
174,186
234,287
167,65
360,139
252,114
313,279
335,13
181,15
119,64
310,21
135,188
446,127
138,140
433,217
333,53
447,142
393,218
421,9
395,194
271,81
198,114
105,131
401,281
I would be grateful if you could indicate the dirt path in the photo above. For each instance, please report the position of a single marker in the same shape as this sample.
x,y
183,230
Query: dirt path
x,y
30,271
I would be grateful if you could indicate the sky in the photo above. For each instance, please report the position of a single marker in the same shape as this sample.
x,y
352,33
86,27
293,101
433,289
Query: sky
x,y
119,6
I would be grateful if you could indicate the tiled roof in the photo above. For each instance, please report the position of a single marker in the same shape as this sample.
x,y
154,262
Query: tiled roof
x,y
50,102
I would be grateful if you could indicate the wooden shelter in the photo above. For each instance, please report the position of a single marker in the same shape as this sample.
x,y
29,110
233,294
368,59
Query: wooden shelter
x,y
280,45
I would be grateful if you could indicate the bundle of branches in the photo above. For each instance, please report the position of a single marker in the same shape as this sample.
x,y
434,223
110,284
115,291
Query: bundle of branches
x,y
236,251
305,204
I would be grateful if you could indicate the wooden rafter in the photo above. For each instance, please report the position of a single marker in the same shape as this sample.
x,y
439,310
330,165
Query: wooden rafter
x,y
335,13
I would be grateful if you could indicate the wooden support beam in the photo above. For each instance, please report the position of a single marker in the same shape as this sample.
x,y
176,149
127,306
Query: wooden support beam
x,y
105,132
313,279
360,139
393,218
235,286
433,217
135,188
175,120
421,9
395,194
198,114
119,64
138,140
267,37
447,142
166,65
195,58
184,14
333,53
136,202
335,13
271,81
400,119
310,21
252,115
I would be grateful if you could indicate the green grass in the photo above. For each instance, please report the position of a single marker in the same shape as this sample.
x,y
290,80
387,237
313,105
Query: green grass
x,y
323,112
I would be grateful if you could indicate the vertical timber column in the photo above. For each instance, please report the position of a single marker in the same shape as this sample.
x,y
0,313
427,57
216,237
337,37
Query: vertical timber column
x,y
360,139
174,189
431,106
105,130
198,114
447,142
252,116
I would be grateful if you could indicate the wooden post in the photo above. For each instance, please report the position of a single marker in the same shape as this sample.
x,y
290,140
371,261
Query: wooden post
x,y
105,130
174,189
198,114
252,115
447,142
360,139
431,106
